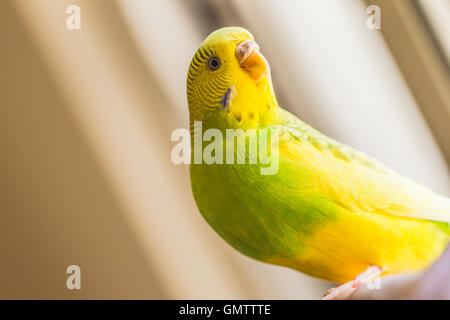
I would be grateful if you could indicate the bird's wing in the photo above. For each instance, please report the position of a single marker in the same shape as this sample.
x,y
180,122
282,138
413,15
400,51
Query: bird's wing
x,y
355,180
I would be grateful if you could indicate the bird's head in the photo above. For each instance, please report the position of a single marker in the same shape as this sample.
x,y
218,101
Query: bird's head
x,y
229,81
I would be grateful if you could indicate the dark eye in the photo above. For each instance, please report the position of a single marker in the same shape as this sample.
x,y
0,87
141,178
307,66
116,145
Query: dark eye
x,y
213,63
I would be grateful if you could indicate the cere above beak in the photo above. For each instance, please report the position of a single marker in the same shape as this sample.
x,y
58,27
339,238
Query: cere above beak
x,y
252,60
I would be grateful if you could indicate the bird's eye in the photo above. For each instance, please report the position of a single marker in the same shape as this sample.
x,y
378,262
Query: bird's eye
x,y
213,63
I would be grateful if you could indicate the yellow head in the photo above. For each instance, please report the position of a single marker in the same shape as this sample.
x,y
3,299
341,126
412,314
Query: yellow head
x,y
229,81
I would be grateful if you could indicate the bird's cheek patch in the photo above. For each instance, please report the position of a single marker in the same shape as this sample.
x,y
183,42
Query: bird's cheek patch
x,y
227,97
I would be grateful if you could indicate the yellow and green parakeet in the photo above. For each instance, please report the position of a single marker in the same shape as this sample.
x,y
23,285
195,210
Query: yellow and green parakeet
x,y
330,211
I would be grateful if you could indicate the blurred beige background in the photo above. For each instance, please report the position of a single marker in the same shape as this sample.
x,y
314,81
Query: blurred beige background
x,y
86,117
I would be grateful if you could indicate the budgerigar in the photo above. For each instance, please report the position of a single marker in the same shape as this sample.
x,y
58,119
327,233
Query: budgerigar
x,y
330,211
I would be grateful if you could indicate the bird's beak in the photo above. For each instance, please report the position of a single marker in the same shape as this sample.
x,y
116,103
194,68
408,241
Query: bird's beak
x,y
252,60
